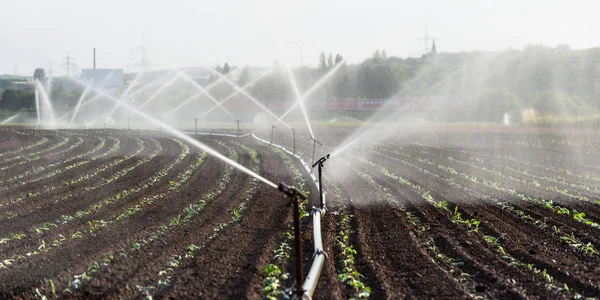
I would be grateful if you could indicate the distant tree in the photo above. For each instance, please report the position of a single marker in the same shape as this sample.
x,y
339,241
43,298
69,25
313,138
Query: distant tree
x,y
338,58
322,61
330,60
377,56
226,69
10,100
6,84
39,74
244,77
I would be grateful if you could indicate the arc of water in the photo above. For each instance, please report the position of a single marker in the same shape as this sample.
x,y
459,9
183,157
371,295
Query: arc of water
x,y
300,100
46,100
199,87
189,139
37,106
235,93
192,98
251,98
123,97
315,86
9,119
79,101
160,90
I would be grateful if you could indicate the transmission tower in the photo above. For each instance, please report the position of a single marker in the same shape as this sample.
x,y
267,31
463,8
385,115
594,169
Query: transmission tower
x,y
142,64
16,70
426,42
69,64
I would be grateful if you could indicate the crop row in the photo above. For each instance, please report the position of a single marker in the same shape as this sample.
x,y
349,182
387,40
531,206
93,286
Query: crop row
x,y
276,274
472,226
43,140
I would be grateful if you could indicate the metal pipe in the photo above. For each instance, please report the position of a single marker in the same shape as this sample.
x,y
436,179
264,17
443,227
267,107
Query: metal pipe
x,y
321,163
296,197
315,142
312,278
298,246
294,139
272,129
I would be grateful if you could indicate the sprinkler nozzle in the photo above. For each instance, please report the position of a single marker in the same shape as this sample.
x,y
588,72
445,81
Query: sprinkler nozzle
x,y
312,138
321,161
291,191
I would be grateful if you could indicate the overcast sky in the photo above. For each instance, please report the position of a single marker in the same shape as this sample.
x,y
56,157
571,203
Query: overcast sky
x,y
256,33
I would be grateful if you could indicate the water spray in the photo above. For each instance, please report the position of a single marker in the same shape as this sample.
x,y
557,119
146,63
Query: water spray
x,y
300,100
296,197
315,86
234,93
190,140
203,90
320,163
249,97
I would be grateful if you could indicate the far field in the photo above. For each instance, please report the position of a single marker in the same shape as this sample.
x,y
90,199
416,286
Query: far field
x,y
452,213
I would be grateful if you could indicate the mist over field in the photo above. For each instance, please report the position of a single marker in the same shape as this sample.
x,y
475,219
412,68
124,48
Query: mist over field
x,y
275,150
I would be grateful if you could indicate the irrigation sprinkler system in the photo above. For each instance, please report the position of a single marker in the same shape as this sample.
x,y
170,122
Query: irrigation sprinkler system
x,y
296,196
305,286
320,163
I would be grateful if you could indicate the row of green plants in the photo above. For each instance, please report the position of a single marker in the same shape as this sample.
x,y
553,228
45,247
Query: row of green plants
x,y
37,168
43,140
545,169
164,279
64,140
78,142
44,227
47,188
76,281
587,248
547,204
472,226
427,241
275,274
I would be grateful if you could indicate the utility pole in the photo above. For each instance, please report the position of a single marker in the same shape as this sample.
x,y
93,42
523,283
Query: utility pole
x,y
69,64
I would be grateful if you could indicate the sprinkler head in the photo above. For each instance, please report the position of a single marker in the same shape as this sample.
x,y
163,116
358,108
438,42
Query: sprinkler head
x,y
321,161
312,138
291,191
